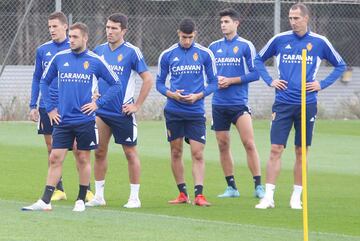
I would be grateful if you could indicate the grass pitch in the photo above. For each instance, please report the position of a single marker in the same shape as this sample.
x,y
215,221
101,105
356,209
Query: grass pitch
x,y
334,197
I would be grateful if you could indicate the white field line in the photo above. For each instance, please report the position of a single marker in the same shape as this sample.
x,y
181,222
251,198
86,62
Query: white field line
x,y
193,220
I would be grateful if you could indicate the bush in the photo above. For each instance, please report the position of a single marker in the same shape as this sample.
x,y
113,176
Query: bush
x,y
16,109
351,106
151,110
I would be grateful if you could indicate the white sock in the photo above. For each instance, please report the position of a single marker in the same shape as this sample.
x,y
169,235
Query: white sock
x,y
296,195
99,189
269,191
134,191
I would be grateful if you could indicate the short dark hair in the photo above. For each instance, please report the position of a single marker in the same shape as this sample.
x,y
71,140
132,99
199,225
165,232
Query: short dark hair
x,y
119,18
303,9
232,13
60,16
82,27
187,26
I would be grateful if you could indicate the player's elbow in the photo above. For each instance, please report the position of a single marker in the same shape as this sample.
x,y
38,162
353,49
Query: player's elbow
x,y
342,67
148,79
256,75
159,86
257,63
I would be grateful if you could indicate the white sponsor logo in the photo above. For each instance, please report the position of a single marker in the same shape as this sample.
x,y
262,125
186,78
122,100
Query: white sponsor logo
x,y
92,143
288,46
186,69
48,54
228,60
176,59
75,76
219,51
66,64
117,68
128,139
296,58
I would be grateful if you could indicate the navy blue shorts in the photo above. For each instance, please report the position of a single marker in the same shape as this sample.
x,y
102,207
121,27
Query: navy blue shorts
x,y
44,125
85,134
224,115
286,115
180,125
124,129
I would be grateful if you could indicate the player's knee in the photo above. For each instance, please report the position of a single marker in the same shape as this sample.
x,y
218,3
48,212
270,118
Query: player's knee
x,y
198,156
176,154
224,145
249,145
100,155
54,160
276,151
83,159
131,156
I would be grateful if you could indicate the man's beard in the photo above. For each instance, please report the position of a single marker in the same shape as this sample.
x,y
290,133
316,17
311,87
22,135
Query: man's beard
x,y
77,50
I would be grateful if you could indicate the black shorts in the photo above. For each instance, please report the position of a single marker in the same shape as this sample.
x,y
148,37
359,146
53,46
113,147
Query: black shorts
x,y
85,134
224,115
44,125
284,116
191,127
124,129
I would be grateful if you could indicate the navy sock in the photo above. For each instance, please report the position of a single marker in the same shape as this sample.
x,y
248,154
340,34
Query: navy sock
x,y
82,192
257,180
231,181
198,190
182,188
59,185
48,192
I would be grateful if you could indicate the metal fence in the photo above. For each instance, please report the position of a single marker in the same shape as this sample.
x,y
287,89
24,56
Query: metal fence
x,y
153,23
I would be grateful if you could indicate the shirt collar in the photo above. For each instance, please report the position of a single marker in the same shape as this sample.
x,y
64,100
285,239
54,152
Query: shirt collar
x,y
231,40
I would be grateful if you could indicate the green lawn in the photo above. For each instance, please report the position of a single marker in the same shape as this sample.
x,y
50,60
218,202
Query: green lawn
x,y
334,196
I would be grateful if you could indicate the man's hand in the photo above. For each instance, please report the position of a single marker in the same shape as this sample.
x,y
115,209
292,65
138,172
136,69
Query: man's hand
x,y
279,84
192,98
130,108
34,115
224,82
313,86
54,117
176,95
89,108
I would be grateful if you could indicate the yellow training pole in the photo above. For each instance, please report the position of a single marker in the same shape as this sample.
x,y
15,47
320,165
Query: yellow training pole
x,y
304,144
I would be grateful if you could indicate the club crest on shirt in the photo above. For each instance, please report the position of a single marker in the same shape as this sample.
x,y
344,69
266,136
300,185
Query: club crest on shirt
x,y
309,47
86,64
195,56
235,49
119,57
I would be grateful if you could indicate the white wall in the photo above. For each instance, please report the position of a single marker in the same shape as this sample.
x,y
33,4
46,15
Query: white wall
x,y
16,81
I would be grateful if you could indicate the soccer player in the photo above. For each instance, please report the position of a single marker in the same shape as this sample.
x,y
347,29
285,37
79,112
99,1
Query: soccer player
x,y
117,118
58,25
78,70
186,62
235,67
286,111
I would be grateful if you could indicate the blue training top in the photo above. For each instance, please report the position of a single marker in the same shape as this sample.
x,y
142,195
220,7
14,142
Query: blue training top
x,y
76,76
124,61
187,69
44,53
234,58
287,48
